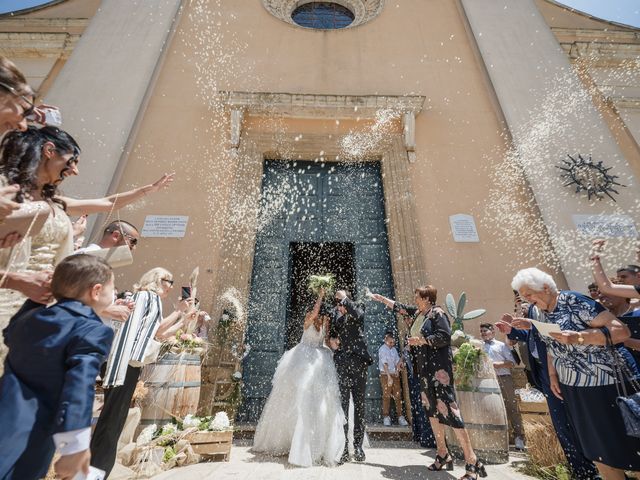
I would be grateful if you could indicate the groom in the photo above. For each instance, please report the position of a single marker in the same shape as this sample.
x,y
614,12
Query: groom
x,y
352,360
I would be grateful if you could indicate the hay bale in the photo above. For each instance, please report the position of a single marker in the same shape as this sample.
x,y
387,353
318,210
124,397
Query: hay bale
x,y
542,444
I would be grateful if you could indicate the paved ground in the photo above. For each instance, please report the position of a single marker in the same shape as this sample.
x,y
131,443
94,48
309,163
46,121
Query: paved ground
x,y
395,461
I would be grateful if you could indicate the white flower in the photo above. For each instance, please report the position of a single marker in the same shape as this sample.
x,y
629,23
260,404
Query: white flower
x,y
247,349
169,429
191,421
146,435
458,334
220,421
225,317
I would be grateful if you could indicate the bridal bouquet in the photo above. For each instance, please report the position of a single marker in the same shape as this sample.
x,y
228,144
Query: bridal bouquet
x,y
326,282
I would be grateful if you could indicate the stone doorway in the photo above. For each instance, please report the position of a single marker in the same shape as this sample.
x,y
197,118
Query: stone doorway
x,y
311,258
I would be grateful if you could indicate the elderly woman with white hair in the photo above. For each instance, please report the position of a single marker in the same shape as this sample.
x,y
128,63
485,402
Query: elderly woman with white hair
x,y
580,369
134,345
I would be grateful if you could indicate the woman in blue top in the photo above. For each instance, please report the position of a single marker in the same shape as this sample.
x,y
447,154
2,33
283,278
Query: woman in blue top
x,y
580,369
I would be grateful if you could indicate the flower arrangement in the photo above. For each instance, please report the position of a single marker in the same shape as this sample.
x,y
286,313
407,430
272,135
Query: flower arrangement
x,y
319,282
186,343
466,363
172,434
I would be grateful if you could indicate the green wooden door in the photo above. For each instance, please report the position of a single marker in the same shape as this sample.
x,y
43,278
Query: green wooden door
x,y
306,202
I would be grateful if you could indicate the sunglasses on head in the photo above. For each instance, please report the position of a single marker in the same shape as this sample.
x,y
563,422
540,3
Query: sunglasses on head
x,y
26,111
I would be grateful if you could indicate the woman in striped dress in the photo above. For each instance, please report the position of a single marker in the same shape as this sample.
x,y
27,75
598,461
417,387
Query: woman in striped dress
x,y
133,339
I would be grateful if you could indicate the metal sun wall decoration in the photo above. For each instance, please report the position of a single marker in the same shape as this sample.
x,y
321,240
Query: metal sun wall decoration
x,y
591,177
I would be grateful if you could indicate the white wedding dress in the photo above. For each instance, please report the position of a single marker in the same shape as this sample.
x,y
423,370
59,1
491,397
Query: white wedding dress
x,y
303,416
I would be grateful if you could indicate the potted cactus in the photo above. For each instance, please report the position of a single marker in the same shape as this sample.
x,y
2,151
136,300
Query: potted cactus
x,y
456,311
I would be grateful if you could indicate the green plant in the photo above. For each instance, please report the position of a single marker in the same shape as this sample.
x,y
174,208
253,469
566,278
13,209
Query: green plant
x,y
169,453
456,311
466,362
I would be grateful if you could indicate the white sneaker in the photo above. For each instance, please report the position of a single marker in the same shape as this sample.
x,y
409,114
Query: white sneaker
x,y
519,443
402,421
386,421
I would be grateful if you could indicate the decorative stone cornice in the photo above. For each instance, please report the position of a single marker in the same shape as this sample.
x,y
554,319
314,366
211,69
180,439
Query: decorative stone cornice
x,y
363,10
625,102
603,53
37,45
43,25
320,106
592,35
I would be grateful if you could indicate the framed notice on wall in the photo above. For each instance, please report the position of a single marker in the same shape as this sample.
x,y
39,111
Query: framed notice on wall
x,y
463,228
165,226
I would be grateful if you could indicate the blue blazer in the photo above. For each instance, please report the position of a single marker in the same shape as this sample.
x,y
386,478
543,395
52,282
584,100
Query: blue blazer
x,y
539,368
48,384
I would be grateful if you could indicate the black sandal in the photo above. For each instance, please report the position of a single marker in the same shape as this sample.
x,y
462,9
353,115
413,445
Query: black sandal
x,y
441,462
474,471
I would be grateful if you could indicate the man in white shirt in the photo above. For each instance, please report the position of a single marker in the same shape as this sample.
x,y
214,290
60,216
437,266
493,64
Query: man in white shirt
x,y
116,234
389,365
503,362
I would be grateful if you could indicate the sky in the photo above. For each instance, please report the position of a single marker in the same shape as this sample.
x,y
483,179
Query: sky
x,y
622,11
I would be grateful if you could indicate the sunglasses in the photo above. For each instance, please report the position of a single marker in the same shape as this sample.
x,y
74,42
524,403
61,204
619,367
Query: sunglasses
x,y
25,111
170,282
72,161
133,241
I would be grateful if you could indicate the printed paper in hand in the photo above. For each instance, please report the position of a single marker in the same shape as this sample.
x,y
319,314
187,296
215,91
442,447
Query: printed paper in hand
x,y
546,328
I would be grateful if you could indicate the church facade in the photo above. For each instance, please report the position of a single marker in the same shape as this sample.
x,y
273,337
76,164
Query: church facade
x,y
397,143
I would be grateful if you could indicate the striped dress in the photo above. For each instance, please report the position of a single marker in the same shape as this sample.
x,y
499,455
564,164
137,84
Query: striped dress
x,y
133,336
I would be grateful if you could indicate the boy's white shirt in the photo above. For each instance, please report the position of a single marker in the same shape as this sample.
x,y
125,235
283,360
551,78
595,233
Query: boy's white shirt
x,y
73,441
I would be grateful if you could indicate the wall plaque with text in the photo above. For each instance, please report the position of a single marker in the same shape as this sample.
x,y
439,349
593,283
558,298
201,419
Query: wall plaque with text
x,y
606,226
165,226
463,228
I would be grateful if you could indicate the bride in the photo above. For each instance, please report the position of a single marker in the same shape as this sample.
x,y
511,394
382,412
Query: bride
x,y
303,415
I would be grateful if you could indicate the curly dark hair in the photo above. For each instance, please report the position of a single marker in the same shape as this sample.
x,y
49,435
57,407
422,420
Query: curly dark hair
x,y
22,155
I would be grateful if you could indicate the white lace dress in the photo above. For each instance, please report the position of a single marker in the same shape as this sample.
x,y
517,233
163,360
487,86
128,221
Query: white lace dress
x,y
303,416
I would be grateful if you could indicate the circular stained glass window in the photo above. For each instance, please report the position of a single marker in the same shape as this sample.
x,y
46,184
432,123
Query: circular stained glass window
x,y
322,15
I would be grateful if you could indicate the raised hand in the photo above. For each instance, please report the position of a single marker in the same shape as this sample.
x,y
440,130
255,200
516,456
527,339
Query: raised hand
x,y
162,183
521,324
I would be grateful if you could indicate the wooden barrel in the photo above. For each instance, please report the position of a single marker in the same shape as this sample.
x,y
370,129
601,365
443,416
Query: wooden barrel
x,y
173,384
485,417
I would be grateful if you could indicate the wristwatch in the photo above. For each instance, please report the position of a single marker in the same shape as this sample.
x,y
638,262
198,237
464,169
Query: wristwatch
x,y
580,339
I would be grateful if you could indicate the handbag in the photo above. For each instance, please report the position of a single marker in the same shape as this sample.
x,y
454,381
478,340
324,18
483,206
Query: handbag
x,y
629,405
151,354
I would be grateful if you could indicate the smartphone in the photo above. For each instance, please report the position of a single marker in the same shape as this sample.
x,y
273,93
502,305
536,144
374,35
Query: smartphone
x,y
186,293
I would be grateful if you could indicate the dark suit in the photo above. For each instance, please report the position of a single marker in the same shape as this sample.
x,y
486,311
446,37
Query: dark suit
x,y
48,384
352,360
582,467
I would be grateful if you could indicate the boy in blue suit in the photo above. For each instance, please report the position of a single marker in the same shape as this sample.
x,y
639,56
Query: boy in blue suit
x,y
47,391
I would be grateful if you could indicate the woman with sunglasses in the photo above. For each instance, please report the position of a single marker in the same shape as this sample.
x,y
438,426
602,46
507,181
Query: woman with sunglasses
x,y
134,345
16,103
38,160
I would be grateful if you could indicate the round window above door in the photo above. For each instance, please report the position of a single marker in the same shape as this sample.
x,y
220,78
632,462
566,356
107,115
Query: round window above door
x,y
338,14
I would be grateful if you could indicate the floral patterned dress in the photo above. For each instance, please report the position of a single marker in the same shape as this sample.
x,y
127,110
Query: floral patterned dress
x,y
433,364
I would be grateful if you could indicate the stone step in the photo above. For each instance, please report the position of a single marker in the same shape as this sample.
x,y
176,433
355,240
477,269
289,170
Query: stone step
x,y
376,432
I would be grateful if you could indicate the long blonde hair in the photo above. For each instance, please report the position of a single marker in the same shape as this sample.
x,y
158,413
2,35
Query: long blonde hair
x,y
152,280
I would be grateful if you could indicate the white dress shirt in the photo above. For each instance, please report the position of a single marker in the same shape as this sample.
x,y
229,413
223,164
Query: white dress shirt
x,y
390,357
499,352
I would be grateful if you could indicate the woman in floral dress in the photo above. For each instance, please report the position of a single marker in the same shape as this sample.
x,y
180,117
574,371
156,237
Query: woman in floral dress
x,y
430,347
